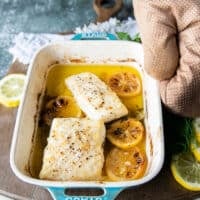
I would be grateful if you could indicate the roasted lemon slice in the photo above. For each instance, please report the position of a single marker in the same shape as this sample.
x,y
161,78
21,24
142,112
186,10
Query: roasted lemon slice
x,y
11,89
125,133
125,165
61,106
125,84
186,171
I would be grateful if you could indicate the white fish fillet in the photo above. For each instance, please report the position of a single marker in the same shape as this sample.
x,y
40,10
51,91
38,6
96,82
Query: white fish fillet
x,y
74,150
95,98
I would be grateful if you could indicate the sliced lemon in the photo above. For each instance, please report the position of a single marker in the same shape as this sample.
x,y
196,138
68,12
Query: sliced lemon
x,y
60,106
195,141
11,89
125,165
125,84
125,133
196,126
195,148
186,171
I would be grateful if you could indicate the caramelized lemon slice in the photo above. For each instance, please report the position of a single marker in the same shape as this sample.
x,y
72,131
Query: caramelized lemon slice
x,y
125,84
125,133
125,165
61,106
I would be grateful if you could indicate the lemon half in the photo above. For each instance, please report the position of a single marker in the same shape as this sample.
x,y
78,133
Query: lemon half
x,y
11,89
186,171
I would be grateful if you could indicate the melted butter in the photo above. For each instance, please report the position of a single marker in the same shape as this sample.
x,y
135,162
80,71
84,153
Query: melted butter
x,y
55,86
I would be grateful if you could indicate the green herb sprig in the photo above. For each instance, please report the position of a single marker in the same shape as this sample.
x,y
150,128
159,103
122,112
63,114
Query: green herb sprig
x,y
126,36
178,132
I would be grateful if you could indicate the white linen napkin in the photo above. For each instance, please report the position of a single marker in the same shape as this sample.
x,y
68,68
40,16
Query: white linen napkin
x,y
26,44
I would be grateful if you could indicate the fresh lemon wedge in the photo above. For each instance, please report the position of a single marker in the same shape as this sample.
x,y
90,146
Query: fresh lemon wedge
x,y
195,141
186,171
195,148
196,126
11,89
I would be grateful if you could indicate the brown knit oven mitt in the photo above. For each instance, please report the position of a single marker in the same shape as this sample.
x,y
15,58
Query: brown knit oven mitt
x,y
170,32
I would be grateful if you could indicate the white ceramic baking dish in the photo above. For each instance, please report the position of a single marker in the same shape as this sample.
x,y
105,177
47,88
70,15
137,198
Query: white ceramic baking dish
x,y
119,52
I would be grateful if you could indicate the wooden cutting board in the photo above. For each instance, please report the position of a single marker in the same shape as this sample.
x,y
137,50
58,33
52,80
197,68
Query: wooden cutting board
x,y
163,187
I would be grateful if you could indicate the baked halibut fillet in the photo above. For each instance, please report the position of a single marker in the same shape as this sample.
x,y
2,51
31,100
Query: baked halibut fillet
x,y
95,98
74,150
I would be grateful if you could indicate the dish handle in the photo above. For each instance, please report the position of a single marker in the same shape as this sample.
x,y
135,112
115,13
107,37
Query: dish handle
x,y
109,194
94,36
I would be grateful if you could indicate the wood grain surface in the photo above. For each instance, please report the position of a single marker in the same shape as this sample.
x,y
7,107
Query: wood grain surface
x,y
162,187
